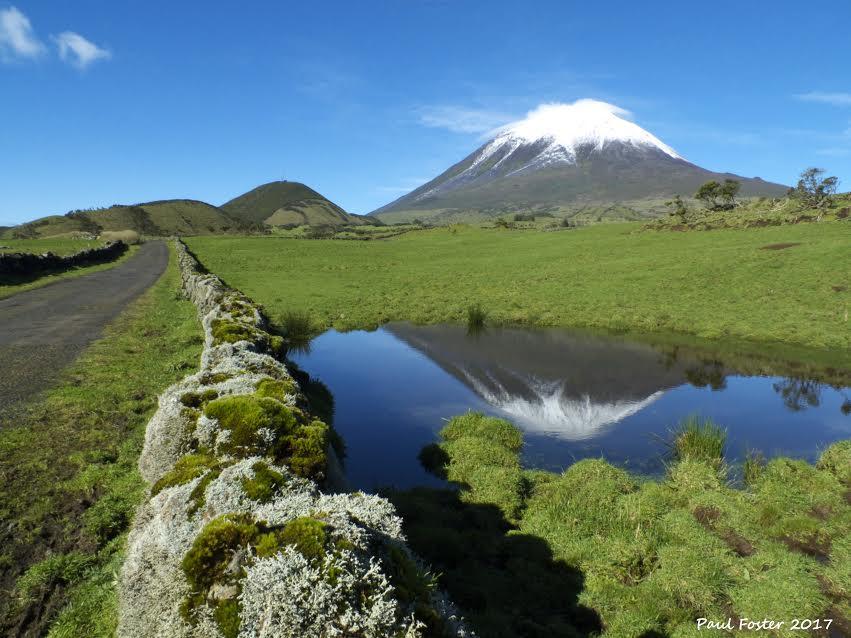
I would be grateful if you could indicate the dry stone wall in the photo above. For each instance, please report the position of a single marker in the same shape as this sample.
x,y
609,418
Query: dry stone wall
x,y
248,530
19,265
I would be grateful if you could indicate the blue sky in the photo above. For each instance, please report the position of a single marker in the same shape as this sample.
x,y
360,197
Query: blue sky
x,y
123,102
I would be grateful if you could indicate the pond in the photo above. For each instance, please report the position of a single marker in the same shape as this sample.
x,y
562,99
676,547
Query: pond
x,y
574,395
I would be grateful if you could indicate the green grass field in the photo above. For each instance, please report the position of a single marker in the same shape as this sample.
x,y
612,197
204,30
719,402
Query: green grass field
x,y
532,553
68,464
747,284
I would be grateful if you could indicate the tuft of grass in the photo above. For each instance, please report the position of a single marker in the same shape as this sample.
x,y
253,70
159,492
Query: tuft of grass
x,y
476,317
296,327
753,467
697,439
58,568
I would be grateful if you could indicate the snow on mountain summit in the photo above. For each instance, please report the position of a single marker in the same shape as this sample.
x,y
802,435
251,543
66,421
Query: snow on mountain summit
x,y
564,128
585,122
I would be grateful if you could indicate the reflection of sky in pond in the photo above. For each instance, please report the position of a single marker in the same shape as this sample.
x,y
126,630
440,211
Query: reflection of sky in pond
x,y
575,396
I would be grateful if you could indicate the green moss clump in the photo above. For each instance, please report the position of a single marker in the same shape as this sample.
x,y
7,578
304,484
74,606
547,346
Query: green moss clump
x,y
216,377
207,562
307,535
307,450
264,484
211,552
277,345
198,399
245,416
227,331
226,615
274,389
187,468
238,308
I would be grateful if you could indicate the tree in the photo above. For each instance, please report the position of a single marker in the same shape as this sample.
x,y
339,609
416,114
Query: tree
x,y
709,194
814,189
729,189
717,196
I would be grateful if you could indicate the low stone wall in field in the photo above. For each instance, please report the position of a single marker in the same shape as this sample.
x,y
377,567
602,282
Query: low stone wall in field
x,y
248,530
22,265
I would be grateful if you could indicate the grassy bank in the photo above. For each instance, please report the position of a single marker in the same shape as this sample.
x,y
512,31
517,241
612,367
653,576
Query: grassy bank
x,y
531,553
719,284
7,290
68,464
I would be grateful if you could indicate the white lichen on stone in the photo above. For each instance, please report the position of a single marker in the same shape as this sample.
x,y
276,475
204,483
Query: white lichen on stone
x,y
348,591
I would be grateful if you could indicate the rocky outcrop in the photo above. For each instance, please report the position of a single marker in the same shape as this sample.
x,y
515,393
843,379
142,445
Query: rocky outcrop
x,y
247,531
22,265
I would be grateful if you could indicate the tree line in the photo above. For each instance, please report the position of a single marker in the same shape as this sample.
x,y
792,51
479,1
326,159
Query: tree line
x,y
813,189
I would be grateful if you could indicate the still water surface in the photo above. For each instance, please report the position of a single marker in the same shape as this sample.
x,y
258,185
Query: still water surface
x,y
574,395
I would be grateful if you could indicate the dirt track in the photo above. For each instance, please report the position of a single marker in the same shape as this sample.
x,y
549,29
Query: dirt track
x,y
43,330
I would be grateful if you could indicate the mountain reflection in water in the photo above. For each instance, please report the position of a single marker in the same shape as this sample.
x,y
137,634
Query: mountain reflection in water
x,y
575,395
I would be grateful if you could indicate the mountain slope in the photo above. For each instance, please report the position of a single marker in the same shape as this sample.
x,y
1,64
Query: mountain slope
x,y
165,217
563,157
288,204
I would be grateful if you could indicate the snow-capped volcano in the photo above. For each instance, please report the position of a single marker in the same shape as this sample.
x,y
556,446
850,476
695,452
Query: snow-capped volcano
x,y
564,129
562,156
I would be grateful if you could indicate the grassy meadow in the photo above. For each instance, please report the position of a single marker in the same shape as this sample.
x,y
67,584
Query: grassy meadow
x,y
533,553
68,462
786,284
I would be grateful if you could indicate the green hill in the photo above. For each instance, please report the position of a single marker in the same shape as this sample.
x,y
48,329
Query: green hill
x,y
289,204
165,217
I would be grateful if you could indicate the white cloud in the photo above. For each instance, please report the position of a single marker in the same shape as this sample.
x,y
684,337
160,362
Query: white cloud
x,y
17,39
835,99
77,51
463,120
